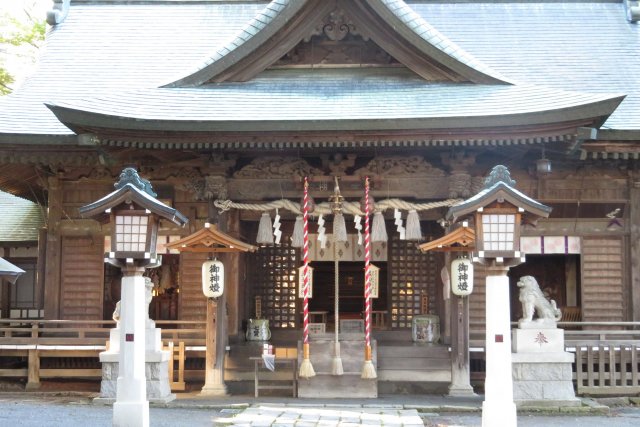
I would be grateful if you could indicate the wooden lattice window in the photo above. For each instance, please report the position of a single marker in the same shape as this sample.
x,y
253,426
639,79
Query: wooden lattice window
x,y
274,275
415,282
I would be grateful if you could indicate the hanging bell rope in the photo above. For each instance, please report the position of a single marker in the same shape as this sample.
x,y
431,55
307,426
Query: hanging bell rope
x,y
368,370
306,369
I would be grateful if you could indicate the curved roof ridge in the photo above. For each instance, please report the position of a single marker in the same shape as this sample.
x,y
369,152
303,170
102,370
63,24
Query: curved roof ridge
x,y
242,44
429,34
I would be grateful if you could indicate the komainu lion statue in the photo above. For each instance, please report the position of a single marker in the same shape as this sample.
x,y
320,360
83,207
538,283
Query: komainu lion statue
x,y
533,300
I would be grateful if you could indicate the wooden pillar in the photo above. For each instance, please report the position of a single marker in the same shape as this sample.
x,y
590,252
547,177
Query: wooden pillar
x,y
216,331
33,374
460,363
5,297
634,238
42,263
53,249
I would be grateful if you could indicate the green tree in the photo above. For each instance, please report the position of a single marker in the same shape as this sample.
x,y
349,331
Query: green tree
x,y
21,35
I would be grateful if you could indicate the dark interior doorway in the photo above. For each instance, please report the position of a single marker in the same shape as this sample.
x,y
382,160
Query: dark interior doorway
x,y
557,275
351,276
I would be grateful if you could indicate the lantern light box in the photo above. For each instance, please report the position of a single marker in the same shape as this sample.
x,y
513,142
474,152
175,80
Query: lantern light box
x,y
213,279
462,277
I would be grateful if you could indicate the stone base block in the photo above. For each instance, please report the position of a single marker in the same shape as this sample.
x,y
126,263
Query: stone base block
x,y
543,379
349,385
156,373
537,340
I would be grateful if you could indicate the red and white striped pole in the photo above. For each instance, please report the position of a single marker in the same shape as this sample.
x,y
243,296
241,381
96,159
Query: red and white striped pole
x,y
306,369
368,370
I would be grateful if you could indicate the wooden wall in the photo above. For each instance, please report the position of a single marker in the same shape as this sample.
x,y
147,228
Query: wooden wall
x,y
81,278
192,303
603,294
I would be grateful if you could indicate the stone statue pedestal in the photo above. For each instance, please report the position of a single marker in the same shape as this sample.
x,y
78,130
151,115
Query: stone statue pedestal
x,y
542,374
156,367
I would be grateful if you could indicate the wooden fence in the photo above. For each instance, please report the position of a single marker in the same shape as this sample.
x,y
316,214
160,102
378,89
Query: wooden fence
x,y
78,343
607,353
607,356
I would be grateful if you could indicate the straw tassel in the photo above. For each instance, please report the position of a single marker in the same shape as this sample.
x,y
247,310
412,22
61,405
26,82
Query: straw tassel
x,y
297,237
339,228
378,231
413,231
306,368
368,370
265,235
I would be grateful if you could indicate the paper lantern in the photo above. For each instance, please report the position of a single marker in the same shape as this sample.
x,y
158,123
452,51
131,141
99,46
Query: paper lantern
x,y
461,277
213,279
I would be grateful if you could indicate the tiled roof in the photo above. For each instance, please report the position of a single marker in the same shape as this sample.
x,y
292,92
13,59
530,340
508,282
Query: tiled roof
x,y
329,99
575,45
21,219
103,48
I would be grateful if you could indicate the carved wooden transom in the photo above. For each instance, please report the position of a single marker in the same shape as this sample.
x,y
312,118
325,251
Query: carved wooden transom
x,y
336,41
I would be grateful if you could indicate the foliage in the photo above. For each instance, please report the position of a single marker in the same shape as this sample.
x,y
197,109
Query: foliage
x,y
20,37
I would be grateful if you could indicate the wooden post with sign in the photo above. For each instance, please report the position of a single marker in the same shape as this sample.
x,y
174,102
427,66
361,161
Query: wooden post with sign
x,y
212,240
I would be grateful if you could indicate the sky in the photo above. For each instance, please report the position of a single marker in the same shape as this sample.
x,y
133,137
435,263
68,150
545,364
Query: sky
x,y
20,62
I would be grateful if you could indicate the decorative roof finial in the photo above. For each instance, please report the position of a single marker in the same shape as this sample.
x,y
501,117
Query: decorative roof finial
x,y
130,176
499,173
59,12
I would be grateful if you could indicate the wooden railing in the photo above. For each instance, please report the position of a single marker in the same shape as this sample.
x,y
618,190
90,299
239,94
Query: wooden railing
x,y
76,339
607,355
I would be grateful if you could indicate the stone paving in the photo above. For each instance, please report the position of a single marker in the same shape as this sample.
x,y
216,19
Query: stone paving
x,y
274,415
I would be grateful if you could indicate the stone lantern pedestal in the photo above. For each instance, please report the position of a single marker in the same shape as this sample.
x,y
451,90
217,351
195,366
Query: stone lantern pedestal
x,y
542,374
156,360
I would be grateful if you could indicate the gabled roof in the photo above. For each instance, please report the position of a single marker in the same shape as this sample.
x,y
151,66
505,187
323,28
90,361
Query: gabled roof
x,y
391,24
461,239
209,239
21,219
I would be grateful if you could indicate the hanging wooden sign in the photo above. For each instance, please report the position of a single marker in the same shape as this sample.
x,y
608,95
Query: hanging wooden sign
x,y
461,277
213,279
375,280
301,282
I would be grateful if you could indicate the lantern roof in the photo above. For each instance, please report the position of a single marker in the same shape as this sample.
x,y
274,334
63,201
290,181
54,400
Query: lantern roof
x,y
460,239
499,187
131,188
9,271
210,239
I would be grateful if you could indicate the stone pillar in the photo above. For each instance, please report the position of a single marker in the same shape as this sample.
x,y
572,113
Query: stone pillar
x,y
131,407
498,408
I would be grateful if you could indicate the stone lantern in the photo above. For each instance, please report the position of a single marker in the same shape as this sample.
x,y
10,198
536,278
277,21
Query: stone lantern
x,y
134,214
497,212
